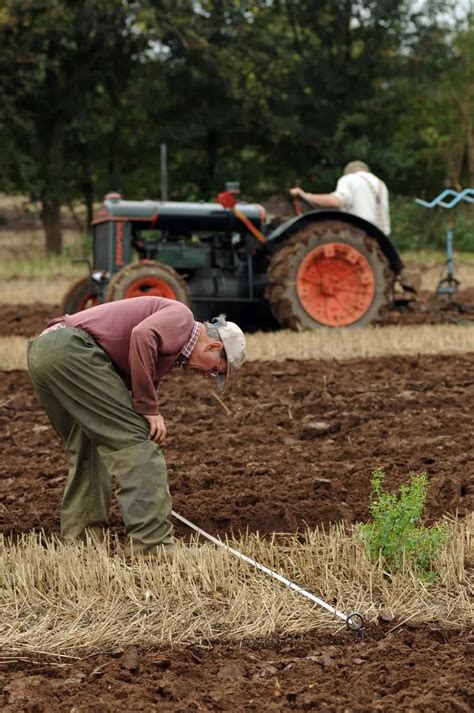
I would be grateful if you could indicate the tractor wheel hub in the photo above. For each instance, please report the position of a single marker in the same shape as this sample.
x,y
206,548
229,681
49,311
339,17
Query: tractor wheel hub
x,y
335,284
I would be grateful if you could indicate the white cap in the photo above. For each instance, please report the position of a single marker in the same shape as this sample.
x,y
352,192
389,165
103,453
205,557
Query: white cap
x,y
233,340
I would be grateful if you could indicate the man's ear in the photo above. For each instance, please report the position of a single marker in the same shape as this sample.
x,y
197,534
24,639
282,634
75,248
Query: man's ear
x,y
214,346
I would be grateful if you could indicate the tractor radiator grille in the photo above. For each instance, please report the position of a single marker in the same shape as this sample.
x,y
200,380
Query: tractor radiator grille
x,y
103,247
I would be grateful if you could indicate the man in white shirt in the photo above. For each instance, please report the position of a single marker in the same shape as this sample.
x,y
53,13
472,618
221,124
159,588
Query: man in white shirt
x,y
359,192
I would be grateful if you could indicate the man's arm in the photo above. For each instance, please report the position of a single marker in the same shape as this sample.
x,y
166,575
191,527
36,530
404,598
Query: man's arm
x,y
162,334
324,200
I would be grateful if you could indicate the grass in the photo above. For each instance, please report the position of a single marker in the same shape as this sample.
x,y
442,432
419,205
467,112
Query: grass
x,y
48,290
22,239
27,246
12,353
434,257
323,344
54,266
69,600
362,343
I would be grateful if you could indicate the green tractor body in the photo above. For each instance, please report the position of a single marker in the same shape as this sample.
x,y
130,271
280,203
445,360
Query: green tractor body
x,y
323,268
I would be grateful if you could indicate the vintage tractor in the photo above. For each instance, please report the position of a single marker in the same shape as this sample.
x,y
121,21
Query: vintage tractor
x,y
323,268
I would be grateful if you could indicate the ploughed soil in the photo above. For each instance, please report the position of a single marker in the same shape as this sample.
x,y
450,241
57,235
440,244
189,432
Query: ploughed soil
x,y
408,670
294,443
294,446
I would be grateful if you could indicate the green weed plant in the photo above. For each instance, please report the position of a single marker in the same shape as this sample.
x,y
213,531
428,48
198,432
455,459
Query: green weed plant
x,y
396,536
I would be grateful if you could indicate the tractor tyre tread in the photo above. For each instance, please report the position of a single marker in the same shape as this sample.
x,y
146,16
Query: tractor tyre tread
x,y
77,296
120,282
281,292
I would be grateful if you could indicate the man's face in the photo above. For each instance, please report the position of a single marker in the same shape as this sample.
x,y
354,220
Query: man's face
x,y
208,359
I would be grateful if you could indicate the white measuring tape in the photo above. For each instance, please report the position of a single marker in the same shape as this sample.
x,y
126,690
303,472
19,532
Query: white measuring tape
x,y
354,621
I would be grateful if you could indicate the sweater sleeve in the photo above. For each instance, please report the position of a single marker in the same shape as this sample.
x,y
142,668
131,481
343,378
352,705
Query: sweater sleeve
x,y
161,336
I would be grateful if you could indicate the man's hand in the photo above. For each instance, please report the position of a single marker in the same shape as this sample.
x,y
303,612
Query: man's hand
x,y
157,428
296,192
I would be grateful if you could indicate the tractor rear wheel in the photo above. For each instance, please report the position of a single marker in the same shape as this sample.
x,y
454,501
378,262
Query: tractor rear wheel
x,y
79,296
148,279
329,274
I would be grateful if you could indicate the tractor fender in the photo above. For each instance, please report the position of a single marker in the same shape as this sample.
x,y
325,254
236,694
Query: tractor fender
x,y
293,225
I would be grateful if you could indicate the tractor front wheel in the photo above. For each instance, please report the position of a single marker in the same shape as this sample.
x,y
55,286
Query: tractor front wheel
x,y
329,274
79,296
148,279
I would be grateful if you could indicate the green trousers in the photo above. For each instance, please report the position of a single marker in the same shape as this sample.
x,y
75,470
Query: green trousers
x,y
91,409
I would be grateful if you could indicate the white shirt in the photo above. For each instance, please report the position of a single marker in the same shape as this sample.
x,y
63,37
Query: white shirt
x,y
365,195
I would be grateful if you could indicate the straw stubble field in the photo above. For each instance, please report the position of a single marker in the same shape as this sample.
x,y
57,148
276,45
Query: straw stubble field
x,y
290,450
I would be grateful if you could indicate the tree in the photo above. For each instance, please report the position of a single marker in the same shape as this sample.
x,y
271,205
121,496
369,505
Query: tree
x,y
261,91
63,67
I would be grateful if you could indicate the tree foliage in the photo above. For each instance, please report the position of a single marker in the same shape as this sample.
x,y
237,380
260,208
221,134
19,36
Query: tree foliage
x,y
62,71
262,91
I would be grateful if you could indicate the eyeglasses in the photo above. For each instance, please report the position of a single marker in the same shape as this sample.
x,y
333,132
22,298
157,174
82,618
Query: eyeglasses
x,y
216,372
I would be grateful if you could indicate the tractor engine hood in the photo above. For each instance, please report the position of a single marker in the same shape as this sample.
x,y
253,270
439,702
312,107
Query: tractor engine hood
x,y
177,216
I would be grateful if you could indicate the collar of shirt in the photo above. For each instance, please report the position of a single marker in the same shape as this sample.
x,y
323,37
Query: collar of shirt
x,y
187,350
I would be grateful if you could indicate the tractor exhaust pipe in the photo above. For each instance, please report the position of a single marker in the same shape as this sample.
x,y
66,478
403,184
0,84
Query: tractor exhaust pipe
x,y
164,171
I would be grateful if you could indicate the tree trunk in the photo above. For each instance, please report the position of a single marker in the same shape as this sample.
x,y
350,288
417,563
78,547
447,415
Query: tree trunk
x,y
112,168
51,192
51,219
88,192
467,116
212,144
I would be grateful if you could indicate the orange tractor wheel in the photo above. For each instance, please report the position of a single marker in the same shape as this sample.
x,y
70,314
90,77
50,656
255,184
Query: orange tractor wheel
x,y
79,296
148,279
329,274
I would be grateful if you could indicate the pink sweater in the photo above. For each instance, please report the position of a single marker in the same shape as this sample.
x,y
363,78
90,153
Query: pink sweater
x,y
143,337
